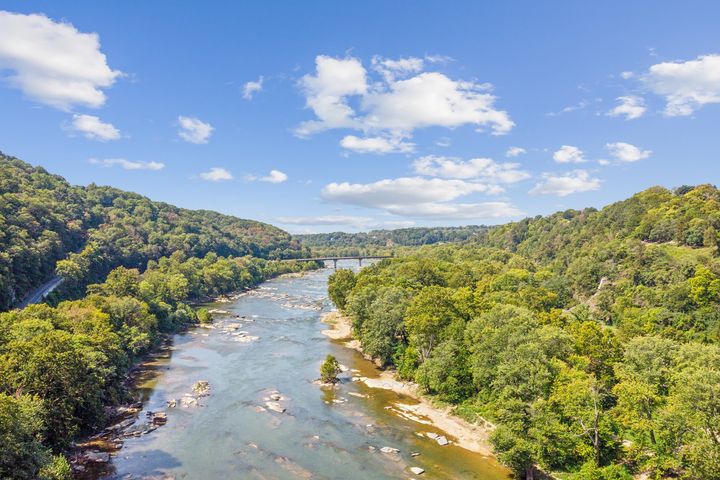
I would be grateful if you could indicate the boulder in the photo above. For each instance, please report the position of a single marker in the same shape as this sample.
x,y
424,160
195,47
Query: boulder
x,y
389,450
97,457
441,440
275,407
417,470
202,388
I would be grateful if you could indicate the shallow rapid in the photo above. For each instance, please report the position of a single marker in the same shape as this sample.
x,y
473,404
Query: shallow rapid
x,y
269,347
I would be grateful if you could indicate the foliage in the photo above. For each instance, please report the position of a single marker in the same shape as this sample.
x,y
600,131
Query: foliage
x,y
329,370
71,361
48,226
590,338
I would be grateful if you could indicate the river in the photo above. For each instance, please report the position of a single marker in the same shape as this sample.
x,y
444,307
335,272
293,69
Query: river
x,y
323,434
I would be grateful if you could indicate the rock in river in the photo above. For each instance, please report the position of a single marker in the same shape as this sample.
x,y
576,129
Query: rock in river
x,y
275,407
417,470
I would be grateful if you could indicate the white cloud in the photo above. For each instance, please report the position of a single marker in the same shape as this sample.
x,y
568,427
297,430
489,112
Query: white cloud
x,y
194,130
127,164
565,184
251,88
483,210
402,67
629,106
443,142
275,176
433,99
322,220
627,75
421,197
396,105
405,191
476,168
686,86
326,93
515,151
94,128
626,152
347,221
569,154
381,145
216,174
52,62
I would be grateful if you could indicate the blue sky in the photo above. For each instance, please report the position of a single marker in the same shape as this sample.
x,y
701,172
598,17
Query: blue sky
x,y
324,116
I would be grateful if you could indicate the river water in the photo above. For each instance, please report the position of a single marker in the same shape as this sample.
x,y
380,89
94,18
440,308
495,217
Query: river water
x,y
323,434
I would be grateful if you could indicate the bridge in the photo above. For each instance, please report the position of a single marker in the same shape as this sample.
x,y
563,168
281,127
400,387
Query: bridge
x,y
359,258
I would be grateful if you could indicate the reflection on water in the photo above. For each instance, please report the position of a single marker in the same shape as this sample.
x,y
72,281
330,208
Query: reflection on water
x,y
323,434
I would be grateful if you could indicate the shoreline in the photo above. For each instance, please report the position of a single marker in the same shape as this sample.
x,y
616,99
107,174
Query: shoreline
x,y
90,455
472,437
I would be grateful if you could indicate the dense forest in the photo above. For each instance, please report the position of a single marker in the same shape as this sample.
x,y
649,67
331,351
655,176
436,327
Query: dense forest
x,y
48,226
588,339
61,366
350,243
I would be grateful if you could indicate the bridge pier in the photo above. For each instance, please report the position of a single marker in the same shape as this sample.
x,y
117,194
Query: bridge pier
x,y
360,261
335,263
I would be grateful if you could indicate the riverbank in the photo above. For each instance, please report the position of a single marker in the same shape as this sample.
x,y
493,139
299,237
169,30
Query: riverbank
x,y
472,437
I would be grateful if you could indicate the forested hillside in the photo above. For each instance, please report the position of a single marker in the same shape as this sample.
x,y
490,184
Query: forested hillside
x,y
350,243
589,338
61,367
90,230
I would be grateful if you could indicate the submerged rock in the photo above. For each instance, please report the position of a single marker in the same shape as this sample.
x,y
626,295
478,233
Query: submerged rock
x,y
275,407
202,388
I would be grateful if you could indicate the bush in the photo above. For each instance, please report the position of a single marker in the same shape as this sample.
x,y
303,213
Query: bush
x,y
329,370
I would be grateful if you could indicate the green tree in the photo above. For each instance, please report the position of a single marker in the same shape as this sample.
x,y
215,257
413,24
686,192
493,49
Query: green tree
x,y
329,370
340,284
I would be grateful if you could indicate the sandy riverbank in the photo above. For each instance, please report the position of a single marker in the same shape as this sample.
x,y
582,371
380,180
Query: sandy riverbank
x,y
464,434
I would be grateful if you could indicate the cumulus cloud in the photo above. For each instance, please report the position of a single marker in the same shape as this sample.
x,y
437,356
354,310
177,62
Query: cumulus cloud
x,y
565,184
216,174
515,151
52,62
629,106
482,210
325,220
346,221
484,169
342,95
194,130
251,88
402,67
569,154
380,145
94,128
275,176
326,93
686,86
402,191
127,164
627,152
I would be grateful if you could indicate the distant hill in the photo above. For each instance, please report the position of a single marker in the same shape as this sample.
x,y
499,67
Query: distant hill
x,y
90,230
407,237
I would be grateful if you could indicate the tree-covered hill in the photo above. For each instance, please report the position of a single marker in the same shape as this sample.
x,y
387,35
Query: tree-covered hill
x,y
87,231
591,339
343,242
